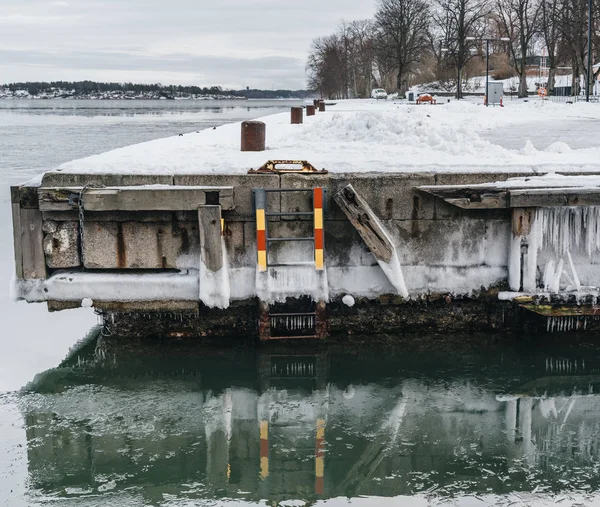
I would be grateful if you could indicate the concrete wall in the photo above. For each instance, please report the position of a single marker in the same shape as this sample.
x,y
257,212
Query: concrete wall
x,y
441,248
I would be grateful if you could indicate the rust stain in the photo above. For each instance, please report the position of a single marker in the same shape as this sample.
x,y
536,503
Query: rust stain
x,y
185,240
414,225
121,252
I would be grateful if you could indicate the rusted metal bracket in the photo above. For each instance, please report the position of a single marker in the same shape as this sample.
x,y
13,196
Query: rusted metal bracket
x,y
270,167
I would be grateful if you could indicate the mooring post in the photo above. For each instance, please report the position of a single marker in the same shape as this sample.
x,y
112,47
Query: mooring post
x,y
253,136
522,258
310,110
297,114
214,276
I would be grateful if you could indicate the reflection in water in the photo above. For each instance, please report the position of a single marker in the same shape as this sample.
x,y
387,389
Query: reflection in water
x,y
220,422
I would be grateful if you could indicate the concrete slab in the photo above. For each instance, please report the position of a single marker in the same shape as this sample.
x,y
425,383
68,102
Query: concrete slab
x,y
61,244
242,189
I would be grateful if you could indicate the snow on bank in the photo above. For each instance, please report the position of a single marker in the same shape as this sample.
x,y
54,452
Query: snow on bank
x,y
361,136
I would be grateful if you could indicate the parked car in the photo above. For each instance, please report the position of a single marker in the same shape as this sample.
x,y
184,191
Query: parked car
x,y
379,93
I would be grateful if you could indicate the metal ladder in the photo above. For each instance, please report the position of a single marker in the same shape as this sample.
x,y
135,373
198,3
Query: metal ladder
x,y
284,324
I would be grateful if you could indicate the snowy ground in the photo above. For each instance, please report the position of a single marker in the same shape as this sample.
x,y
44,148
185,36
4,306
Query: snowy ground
x,y
366,135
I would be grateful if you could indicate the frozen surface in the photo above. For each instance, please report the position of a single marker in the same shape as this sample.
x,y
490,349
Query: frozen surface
x,y
360,136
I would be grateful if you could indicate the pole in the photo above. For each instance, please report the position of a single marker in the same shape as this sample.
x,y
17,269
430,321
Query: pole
x,y
487,72
589,58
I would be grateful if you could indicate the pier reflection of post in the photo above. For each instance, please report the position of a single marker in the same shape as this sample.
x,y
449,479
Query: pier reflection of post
x,y
218,432
511,420
320,458
525,417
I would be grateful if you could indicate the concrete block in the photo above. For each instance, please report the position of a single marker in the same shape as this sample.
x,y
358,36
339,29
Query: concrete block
x,y
135,245
497,239
344,247
242,189
302,201
444,211
448,243
392,196
61,244
63,179
234,234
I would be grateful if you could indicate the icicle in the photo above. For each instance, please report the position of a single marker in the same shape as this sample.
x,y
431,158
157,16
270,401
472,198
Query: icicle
x,y
565,228
573,271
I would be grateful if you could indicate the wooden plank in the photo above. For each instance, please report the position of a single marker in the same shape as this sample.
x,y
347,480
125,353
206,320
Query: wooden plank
x,y
58,199
17,239
365,222
211,249
34,264
545,197
148,198
156,199
474,197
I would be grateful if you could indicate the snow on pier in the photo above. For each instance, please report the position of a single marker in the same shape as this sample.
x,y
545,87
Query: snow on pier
x,y
361,136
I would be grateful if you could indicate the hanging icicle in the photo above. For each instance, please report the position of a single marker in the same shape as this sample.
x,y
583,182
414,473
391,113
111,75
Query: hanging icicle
x,y
570,228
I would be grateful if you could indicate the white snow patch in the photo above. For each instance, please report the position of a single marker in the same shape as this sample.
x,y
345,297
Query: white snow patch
x,y
348,300
87,303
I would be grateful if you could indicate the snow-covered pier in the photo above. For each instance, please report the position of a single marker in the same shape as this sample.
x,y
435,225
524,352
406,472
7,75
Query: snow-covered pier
x,y
411,221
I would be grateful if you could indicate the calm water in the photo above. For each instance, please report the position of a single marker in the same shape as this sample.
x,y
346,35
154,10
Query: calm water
x,y
178,424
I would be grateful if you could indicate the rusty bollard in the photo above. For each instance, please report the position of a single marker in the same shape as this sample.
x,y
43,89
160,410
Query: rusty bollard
x,y
297,115
321,105
253,136
310,110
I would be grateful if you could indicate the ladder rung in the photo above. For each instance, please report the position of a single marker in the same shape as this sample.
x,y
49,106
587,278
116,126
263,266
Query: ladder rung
x,y
291,239
291,314
291,214
291,264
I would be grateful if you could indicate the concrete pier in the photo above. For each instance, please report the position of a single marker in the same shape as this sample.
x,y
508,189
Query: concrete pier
x,y
146,248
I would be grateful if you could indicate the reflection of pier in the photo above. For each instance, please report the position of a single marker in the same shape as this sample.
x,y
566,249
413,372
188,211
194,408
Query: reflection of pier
x,y
309,434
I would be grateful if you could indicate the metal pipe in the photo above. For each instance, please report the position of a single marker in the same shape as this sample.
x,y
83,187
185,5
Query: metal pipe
x,y
487,72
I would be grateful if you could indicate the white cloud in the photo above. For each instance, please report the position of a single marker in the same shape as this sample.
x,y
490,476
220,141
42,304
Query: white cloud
x,y
230,42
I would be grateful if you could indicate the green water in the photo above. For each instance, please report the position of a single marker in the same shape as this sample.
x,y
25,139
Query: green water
x,y
179,423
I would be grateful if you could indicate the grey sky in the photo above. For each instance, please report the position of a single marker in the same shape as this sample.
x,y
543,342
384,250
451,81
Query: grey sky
x,y
233,43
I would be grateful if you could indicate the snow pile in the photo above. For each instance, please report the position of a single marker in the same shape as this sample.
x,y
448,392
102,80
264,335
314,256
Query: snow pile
x,y
359,136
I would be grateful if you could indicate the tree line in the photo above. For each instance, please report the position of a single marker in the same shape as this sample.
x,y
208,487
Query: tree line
x,y
419,41
90,87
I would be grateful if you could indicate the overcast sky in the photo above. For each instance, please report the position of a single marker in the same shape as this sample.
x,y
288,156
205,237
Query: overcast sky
x,y
233,43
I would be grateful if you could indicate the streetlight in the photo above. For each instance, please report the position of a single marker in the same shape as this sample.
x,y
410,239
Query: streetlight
x,y
487,61
589,55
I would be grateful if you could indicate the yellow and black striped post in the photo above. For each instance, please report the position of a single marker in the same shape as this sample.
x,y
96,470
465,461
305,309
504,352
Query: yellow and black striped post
x,y
260,203
320,458
318,223
264,449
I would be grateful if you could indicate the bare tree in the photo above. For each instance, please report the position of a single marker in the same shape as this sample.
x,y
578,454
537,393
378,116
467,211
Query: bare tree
x,y
459,21
363,58
325,67
518,21
403,27
549,19
573,27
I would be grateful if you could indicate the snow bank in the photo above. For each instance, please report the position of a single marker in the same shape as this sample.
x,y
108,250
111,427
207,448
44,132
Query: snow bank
x,y
361,136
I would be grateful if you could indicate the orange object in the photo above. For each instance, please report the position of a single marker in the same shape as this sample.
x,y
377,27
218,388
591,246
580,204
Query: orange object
x,y
425,98
542,92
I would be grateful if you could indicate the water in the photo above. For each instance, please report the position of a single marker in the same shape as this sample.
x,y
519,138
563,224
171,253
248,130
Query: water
x,y
463,422
179,423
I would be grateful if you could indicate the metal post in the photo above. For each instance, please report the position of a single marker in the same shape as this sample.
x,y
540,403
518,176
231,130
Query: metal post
x,y
589,58
260,204
487,72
